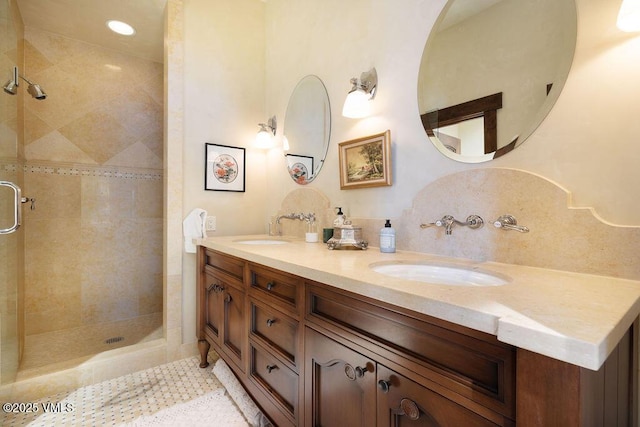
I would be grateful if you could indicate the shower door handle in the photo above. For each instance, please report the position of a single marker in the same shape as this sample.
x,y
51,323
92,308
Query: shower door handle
x,y
17,213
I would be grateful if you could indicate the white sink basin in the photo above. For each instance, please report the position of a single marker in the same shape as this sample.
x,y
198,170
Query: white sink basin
x,y
262,242
440,274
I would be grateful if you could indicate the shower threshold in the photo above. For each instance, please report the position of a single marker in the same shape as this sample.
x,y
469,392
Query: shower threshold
x,y
49,351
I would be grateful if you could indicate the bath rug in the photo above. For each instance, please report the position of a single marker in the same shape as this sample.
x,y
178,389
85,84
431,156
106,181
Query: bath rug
x,y
239,395
212,409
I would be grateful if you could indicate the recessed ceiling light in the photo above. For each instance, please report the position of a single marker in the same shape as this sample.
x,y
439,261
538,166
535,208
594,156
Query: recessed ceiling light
x,y
121,28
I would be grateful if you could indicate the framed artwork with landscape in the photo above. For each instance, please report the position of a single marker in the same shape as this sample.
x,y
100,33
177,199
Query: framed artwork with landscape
x,y
365,162
224,168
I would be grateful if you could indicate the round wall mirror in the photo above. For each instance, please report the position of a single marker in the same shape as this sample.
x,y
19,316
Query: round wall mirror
x,y
491,71
307,128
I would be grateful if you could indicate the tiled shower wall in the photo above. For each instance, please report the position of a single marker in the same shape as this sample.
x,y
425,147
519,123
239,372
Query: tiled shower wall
x,y
93,154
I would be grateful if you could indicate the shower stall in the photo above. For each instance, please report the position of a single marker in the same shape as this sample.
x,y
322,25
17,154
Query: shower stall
x,y
82,273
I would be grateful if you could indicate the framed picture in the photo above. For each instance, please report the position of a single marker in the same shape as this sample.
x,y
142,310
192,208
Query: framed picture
x,y
300,168
224,168
365,162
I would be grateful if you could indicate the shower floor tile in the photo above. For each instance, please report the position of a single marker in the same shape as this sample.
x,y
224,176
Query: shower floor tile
x,y
51,348
123,399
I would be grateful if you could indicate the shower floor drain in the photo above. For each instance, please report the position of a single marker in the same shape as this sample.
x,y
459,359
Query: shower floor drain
x,y
113,340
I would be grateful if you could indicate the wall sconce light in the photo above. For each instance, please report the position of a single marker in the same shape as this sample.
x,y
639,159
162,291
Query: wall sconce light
x,y
264,138
629,16
11,87
357,104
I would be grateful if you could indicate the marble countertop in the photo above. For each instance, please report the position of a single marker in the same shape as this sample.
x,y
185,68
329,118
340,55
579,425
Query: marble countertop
x,y
576,318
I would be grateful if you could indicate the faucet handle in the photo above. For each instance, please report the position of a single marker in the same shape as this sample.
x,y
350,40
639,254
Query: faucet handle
x,y
508,222
437,223
442,222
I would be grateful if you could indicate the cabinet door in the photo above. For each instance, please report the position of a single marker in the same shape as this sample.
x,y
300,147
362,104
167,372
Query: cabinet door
x,y
340,387
402,402
234,334
213,300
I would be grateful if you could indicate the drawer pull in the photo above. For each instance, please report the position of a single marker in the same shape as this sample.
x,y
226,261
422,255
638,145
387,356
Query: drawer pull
x,y
271,368
410,409
384,386
354,373
270,286
270,322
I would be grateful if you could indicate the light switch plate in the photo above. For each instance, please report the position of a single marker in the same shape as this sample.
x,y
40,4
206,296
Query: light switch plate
x,y
210,225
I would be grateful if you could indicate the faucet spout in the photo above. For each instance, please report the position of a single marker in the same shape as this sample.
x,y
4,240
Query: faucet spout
x,y
310,218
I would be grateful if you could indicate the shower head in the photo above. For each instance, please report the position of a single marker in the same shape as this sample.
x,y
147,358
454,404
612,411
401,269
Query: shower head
x,y
36,91
11,87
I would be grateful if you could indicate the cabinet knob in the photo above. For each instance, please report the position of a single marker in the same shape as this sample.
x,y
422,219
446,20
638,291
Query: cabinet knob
x,y
270,322
270,286
271,368
354,373
227,298
384,386
410,409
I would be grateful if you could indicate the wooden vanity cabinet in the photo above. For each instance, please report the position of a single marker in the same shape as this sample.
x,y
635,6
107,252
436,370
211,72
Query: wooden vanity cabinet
x,y
221,298
346,388
340,384
314,355
390,367
275,340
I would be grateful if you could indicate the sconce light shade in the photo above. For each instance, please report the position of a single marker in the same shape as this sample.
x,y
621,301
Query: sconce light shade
x,y
264,137
629,16
358,105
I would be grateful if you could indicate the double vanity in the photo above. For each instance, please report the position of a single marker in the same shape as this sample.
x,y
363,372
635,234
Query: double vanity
x,y
362,338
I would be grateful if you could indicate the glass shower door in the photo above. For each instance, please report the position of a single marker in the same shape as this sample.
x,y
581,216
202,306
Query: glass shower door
x,y
11,174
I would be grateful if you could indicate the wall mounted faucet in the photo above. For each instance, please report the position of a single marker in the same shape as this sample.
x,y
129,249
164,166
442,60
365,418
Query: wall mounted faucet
x,y
508,222
310,218
448,221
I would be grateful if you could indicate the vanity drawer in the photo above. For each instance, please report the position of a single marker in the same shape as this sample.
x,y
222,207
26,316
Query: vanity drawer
x,y
278,331
281,288
215,262
275,379
474,365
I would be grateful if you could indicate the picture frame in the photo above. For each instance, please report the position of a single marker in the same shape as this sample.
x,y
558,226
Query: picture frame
x,y
224,168
365,162
300,168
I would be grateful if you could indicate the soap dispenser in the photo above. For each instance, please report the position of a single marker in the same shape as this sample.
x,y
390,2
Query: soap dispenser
x,y
387,238
339,221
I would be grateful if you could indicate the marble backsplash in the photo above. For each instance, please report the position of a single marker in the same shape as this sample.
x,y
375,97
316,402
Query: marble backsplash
x,y
561,237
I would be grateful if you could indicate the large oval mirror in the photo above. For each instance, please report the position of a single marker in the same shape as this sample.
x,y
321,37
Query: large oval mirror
x,y
307,128
491,71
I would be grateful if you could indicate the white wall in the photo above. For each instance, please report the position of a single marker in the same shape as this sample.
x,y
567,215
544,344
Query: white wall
x,y
224,101
243,59
587,143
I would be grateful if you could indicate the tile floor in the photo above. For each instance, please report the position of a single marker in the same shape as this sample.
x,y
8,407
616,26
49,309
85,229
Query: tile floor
x,y
123,399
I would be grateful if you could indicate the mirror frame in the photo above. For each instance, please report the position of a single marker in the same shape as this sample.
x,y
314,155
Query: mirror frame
x,y
317,161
